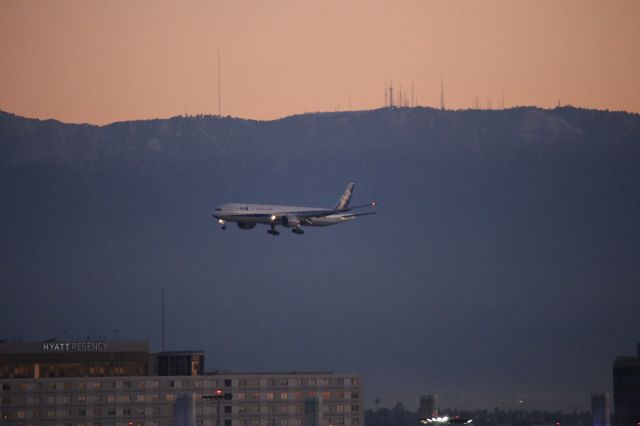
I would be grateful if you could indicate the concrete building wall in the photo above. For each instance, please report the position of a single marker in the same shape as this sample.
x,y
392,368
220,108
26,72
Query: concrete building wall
x,y
261,399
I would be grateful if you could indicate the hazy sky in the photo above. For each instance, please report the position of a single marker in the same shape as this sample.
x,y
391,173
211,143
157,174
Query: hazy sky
x,y
104,61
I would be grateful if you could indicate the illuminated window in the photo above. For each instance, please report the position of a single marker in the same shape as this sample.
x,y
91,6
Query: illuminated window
x,y
21,414
51,413
140,398
111,398
298,396
270,396
140,411
284,396
239,396
326,395
284,422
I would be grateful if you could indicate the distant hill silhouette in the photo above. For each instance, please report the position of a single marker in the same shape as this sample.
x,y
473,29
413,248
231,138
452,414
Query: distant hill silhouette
x,y
499,235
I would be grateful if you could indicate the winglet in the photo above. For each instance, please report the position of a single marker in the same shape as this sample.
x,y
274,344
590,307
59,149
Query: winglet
x,y
343,202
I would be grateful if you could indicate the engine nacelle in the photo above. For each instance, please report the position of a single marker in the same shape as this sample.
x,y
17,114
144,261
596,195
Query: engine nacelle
x,y
246,225
290,221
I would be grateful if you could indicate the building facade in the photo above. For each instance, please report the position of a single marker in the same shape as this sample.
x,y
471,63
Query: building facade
x,y
105,397
626,390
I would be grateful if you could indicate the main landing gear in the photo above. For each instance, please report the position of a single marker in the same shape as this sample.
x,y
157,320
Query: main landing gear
x,y
298,231
273,231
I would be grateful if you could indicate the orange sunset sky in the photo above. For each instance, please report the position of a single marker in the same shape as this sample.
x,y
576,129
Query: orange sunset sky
x,y
104,61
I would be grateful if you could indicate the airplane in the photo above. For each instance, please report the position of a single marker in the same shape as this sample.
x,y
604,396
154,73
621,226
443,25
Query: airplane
x,y
247,216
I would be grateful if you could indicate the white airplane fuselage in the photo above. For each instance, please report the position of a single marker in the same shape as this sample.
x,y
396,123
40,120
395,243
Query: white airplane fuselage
x,y
264,213
247,216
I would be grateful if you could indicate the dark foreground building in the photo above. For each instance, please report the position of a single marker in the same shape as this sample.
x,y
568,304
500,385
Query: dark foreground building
x,y
122,384
626,390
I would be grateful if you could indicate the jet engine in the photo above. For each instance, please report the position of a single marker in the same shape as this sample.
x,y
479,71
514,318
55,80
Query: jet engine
x,y
290,221
246,225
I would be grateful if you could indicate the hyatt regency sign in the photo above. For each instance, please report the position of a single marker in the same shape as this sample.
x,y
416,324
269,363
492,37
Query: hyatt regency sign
x,y
76,347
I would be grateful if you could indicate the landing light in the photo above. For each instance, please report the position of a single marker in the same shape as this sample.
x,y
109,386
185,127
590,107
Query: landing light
x,y
221,222
273,217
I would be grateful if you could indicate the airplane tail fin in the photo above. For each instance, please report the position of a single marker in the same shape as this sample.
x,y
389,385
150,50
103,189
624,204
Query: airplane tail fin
x,y
343,202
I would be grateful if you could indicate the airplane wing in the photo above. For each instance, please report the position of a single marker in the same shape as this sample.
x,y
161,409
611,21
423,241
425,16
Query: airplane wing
x,y
315,214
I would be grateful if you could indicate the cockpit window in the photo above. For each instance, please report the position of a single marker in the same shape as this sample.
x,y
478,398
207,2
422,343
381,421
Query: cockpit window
x,y
218,210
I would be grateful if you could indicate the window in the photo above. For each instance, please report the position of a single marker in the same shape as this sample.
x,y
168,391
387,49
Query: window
x,y
111,412
82,398
227,409
227,422
270,396
111,398
239,396
126,411
355,408
140,411
284,422
82,412
156,411
52,385
227,382
284,396
140,398
127,385
6,387
97,411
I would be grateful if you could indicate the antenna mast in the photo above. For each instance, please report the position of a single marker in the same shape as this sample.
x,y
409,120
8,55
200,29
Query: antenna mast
x,y
219,95
162,319
441,94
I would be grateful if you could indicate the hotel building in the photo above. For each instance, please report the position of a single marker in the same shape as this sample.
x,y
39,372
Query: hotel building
x,y
122,384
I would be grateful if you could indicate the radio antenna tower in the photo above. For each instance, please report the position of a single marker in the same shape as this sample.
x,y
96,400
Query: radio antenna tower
x,y
162,319
219,94
391,95
441,94
386,94
413,99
